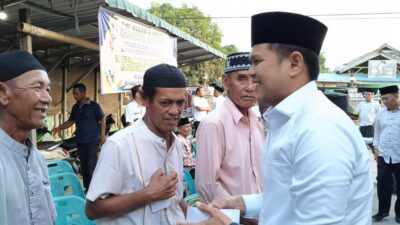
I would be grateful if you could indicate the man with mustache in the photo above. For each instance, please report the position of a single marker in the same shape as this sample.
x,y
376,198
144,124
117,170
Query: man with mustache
x,y
25,195
230,139
138,178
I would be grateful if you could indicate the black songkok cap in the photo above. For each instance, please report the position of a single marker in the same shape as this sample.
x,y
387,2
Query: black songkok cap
x,y
288,28
16,63
394,89
183,121
164,76
237,61
219,88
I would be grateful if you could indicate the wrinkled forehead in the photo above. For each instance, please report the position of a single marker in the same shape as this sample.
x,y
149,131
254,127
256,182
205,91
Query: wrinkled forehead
x,y
170,93
31,77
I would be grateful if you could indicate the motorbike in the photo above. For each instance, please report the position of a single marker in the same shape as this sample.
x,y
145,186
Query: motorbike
x,y
66,149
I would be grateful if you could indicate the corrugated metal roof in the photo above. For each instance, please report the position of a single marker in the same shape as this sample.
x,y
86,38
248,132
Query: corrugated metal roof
x,y
80,20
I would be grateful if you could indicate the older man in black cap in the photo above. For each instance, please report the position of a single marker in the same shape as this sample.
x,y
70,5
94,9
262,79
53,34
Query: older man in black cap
x,y
138,178
387,151
315,166
25,196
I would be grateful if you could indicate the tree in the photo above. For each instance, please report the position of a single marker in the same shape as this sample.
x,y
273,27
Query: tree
x,y
192,21
322,68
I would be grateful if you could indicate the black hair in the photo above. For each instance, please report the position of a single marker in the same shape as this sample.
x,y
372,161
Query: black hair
x,y
310,57
198,90
149,92
135,89
80,87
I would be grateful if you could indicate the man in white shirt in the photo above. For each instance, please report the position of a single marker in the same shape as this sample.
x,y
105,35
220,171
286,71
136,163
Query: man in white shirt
x,y
387,151
367,110
200,107
138,178
218,96
134,110
316,166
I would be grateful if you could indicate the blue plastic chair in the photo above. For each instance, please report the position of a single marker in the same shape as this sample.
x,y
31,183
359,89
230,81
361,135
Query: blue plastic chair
x,y
71,211
59,166
64,184
189,182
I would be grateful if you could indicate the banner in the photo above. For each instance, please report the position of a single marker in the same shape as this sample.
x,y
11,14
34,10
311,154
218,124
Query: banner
x,y
128,48
382,68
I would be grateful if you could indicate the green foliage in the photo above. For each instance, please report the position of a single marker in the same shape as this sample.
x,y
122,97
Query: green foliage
x,y
322,68
192,21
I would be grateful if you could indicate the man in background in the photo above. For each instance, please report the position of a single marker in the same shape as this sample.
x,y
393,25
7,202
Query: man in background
x,y
90,130
134,110
200,107
367,110
218,96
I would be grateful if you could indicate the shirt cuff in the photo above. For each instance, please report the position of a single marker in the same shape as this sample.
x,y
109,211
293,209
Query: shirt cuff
x,y
253,205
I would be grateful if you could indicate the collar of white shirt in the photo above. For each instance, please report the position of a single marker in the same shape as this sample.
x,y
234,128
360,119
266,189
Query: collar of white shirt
x,y
291,104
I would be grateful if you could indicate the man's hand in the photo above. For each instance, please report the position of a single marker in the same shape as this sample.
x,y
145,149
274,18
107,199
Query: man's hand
x,y
56,131
161,186
216,217
376,153
230,202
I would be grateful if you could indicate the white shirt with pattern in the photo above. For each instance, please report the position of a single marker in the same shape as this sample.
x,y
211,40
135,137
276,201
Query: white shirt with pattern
x,y
387,135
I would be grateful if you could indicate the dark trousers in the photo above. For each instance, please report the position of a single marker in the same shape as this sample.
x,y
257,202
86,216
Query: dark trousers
x,y
367,131
196,125
88,156
385,188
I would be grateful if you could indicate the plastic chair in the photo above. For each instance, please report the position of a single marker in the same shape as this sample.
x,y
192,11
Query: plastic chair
x,y
192,199
189,182
194,149
71,211
59,166
64,184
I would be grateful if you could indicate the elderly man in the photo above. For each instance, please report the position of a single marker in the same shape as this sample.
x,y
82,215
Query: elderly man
x,y
387,151
138,178
230,139
316,166
25,196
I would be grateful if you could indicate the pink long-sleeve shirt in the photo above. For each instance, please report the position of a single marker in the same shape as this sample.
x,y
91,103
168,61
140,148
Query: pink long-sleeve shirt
x,y
229,150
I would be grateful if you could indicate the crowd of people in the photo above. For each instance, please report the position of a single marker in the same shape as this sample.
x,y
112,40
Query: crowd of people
x,y
311,166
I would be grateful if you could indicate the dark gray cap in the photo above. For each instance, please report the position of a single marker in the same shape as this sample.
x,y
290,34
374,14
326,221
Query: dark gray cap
x,y
165,76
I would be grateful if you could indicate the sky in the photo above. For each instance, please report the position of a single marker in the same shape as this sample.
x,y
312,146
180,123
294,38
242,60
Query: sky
x,y
349,36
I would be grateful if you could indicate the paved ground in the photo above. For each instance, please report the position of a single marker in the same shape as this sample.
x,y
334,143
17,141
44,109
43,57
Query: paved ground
x,y
390,219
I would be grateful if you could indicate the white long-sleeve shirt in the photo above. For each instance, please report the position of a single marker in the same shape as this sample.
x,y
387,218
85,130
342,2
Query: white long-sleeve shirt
x,y
367,112
387,135
316,166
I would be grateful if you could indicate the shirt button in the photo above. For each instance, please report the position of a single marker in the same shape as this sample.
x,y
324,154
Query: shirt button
x,y
32,193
